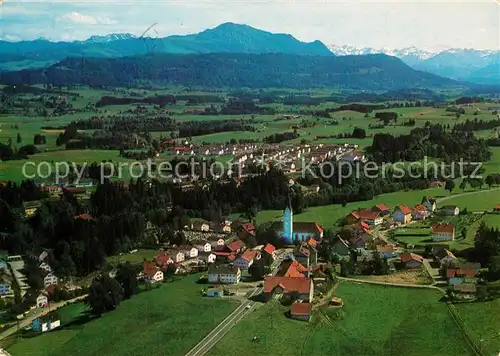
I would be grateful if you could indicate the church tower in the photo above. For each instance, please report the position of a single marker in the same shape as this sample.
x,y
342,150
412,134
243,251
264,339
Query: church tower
x,y
288,223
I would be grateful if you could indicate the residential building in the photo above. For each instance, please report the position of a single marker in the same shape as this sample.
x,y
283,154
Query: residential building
x,y
457,276
200,225
373,218
246,259
445,258
443,232
341,247
224,274
236,246
402,214
46,323
270,250
450,210
301,311
203,247
179,256
295,288
5,287
207,257
163,259
296,270
383,209
420,212
215,292
429,203
386,251
411,260
44,266
49,280
245,230
42,301
152,274
464,291
190,252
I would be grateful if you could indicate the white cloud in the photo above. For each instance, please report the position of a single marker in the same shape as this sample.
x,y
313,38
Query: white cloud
x,y
83,19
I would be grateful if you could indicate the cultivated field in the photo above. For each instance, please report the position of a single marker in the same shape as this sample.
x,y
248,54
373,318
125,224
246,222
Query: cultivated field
x,y
375,320
165,321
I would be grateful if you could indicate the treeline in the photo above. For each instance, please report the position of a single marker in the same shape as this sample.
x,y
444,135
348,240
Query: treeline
x,y
160,100
431,141
475,125
280,137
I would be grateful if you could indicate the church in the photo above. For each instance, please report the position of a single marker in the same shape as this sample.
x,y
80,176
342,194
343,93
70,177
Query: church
x,y
292,232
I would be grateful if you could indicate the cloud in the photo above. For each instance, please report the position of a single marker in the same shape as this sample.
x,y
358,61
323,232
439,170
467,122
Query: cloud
x,y
83,19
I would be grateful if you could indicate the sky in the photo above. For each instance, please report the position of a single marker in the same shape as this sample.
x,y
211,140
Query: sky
x,y
426,24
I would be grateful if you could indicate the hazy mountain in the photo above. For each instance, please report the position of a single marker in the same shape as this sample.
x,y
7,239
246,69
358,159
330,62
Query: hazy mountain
x,y
461,64
110,38
370,72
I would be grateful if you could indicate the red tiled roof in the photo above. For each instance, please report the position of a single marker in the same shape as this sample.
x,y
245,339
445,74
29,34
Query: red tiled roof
x,y
269,249
443,229
83,217
300,309
150,269
407,257
405,209
296,270
236,245
249,255
381,207
310,227
288,284
420,208
386,248
248,228
163,258
75,190
365,214
363,225
231,257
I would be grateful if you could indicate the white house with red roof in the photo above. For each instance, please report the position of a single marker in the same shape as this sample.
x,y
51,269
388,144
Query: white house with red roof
x,y
370,217
443,232
152,274
270,250
224,275
163,259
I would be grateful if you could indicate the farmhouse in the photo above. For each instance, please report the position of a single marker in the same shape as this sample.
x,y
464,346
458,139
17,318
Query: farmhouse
x,y
383,209
457,276
411,260
450,210
420,212
429,203
370,217
224,275
294,288
402,214
152,274
301,311
443,232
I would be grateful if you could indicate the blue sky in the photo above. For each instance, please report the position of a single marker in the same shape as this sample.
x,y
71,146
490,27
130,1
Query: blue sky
x,y
425,24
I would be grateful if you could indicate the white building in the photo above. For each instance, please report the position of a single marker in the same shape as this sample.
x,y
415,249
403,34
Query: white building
x,y
153,276
191,252
42,301
49,280
203,247
44,266
224,275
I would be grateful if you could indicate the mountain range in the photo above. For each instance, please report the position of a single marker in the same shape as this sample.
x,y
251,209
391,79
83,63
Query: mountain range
x,y
47,60
479,66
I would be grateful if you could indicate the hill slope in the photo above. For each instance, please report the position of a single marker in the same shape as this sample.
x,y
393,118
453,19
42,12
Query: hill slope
x,y
371,72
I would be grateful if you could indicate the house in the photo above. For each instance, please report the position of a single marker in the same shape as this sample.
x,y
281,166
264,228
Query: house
x,y
224,274
200,225
245,230
49,280
402,214
246,259
370,217
5,287
341,247
430,204
44,266
207,257
411,260
291,231
382,209
152,274
444,257
203,247
443,232
295,288
190,252
450,210
31,207
270,250
457,276
217,242
296,270
464,291
301,311
46,323
236,246
179,257
386,251
215,292
420,212
42,301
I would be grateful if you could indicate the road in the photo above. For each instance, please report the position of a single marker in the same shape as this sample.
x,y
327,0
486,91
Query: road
x,y
27,321
239,313
440,200
421,286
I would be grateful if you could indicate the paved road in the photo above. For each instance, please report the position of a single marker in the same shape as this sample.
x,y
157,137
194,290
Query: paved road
x,y
239,313
421,286
27,321
440,200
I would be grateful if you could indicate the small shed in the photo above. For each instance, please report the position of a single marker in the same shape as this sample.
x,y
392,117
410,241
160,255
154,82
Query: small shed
x,y
215,292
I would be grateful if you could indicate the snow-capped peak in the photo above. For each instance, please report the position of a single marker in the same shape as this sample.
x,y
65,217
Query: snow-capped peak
x,y
397,52
111,37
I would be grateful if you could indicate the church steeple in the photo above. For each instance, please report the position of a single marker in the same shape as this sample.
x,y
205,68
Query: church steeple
x,y
288,221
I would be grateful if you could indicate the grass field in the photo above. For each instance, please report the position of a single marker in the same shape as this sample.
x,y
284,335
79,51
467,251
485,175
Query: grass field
x,y
165,321
136,257
480,201
375,320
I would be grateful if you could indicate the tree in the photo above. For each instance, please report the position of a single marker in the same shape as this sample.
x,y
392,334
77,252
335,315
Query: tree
x,y
257,270
450,185
463,185
104,294
19,139
127,277
379,265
